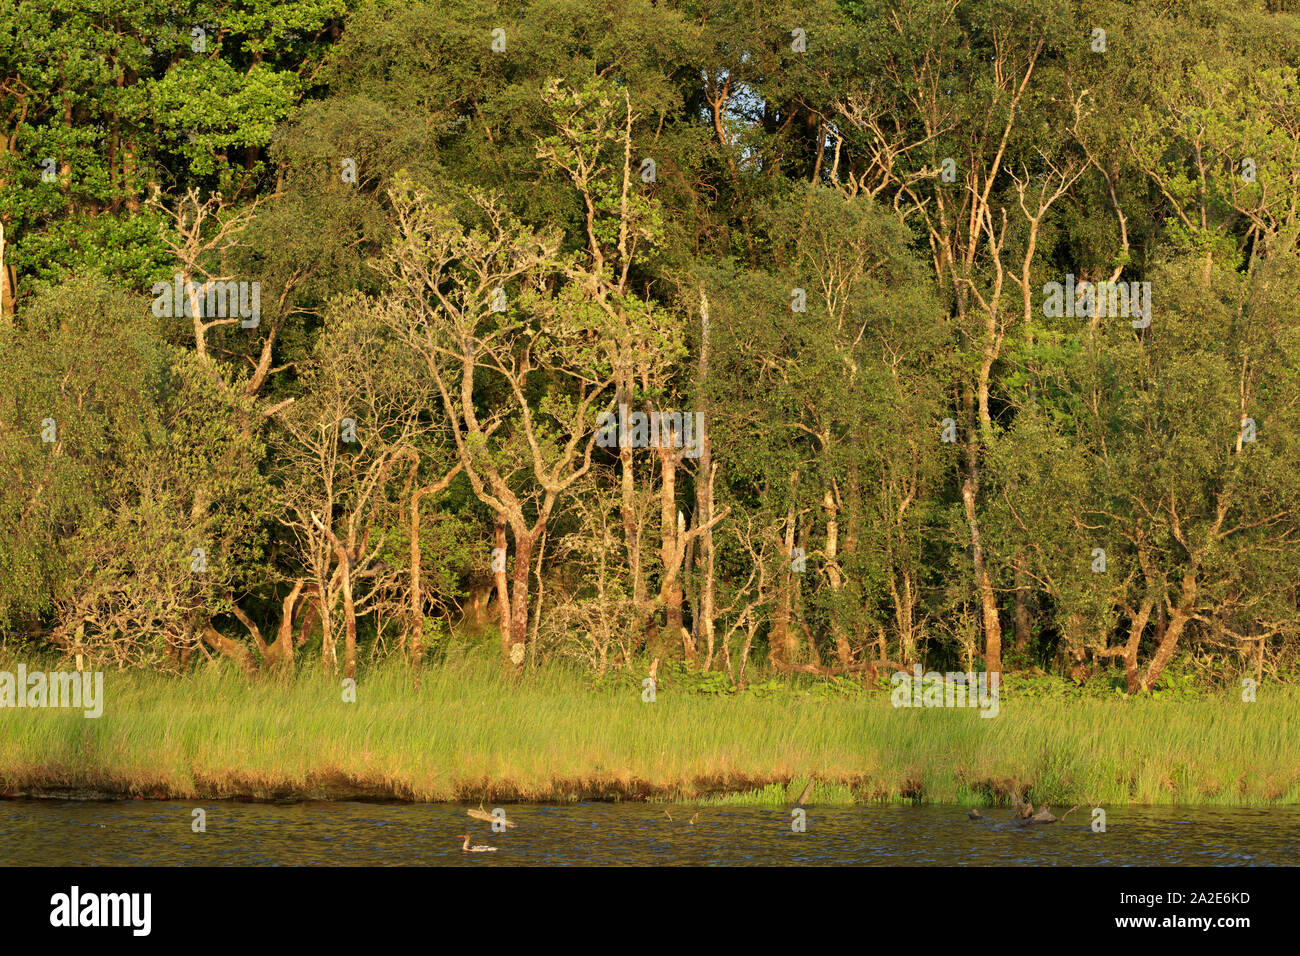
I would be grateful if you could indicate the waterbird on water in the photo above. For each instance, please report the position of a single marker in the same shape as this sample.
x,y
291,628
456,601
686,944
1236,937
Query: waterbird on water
x,y
975,815
477,847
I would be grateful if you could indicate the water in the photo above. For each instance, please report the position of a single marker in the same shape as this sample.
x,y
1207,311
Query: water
x,y
141,832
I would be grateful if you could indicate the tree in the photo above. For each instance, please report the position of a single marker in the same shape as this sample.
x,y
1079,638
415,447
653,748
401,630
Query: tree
x,y
520,449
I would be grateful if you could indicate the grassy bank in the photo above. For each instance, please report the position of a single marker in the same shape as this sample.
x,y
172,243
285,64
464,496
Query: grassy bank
x,y
466,734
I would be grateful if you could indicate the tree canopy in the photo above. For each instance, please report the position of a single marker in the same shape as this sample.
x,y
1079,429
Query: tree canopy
x,y
821,337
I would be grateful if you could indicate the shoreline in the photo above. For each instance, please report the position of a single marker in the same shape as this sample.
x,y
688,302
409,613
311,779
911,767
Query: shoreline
x,y
336,793
468,735
336,786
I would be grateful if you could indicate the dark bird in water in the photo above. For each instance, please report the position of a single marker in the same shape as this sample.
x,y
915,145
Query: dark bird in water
x,y
477,847
975,815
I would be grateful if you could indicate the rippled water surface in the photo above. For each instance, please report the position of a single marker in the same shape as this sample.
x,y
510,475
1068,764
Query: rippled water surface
x,y
140,832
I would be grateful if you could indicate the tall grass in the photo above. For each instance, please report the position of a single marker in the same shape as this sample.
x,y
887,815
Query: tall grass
x,y
469,733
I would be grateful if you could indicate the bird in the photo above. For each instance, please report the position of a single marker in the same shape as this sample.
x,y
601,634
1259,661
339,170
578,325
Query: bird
x,y
477,847
975,815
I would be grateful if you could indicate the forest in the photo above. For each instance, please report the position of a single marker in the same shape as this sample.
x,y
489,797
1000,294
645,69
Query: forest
x,y
760,338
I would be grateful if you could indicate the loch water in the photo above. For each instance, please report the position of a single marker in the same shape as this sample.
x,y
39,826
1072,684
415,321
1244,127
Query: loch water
x,y
145,832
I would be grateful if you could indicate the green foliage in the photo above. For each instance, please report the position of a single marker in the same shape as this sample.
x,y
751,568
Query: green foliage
x,y
884,391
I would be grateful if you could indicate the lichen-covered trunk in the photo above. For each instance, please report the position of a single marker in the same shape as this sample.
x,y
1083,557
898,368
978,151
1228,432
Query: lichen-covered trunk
x,y
515,645
501,579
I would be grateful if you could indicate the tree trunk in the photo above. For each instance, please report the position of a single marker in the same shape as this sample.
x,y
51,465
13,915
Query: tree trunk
x,y
237,652
988,600
797,609
8,282
703,614
1134,639
518,636
671,535
1178,618
703,610
628,508
416,625
781,653
842,649
503,589
280,653
343,569
1075,648
349,624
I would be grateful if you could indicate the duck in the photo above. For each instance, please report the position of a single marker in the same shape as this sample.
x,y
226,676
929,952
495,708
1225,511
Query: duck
x,y
476,848
974,814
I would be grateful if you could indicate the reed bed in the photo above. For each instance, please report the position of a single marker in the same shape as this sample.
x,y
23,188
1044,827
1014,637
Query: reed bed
x,y
470,734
